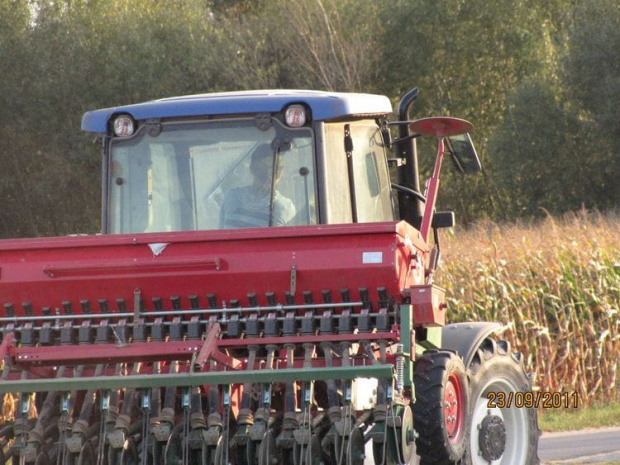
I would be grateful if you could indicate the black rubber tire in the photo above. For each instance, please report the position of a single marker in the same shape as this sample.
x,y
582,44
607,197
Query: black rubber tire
x,y
434,371
495,368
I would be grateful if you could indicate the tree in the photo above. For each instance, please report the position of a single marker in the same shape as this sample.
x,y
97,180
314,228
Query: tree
x,y
593,80
557,147
540,161
16,215
465,56
75,56
504,66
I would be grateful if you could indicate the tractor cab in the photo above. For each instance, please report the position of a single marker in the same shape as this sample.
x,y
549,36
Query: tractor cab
x,y
235,160
251,159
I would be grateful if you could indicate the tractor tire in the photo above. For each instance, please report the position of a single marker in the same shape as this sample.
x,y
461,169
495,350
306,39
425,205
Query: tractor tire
x,y
502,436
440,407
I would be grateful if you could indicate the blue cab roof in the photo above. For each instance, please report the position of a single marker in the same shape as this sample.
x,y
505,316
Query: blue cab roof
x,y
325,106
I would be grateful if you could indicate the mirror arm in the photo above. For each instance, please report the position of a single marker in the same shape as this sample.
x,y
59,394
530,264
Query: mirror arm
x,y
432,188
398,123
407,190
403,139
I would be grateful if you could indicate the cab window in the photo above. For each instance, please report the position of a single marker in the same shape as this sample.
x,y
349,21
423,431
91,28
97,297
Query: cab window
x,y
370,177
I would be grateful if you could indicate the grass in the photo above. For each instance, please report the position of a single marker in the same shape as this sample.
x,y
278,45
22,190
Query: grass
x,y
555,285
596,416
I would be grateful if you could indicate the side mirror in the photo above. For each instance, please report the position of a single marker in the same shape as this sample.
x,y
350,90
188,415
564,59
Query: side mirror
x,y
463,154
453,133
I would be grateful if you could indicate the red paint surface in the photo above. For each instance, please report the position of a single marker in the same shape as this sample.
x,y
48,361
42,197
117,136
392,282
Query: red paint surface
x,y
46,272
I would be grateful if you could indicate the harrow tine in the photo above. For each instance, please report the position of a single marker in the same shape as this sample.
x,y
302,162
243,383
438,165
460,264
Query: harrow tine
x,y
123,426
241,441
332,393
196,428
80,430
186,404
162,422
286,439
31,438
213,437
304,434
113,438
226,403
101,446
146,418
150,446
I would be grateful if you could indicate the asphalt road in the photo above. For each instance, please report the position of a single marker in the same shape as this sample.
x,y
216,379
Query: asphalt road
x,y
586,446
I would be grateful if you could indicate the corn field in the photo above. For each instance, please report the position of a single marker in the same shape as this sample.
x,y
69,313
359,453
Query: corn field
x,y
556,287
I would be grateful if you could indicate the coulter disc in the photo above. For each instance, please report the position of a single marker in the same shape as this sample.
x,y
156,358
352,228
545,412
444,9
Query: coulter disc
x,y
267,453
87,454
129,455
42,459
174,450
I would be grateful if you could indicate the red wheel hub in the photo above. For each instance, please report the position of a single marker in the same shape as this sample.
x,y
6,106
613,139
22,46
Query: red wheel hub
x,y
454,414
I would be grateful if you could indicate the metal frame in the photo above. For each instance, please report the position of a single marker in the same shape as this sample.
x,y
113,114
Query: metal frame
x,y
383,371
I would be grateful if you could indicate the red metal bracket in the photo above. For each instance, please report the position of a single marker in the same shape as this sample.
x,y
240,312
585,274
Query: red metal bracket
x,y
208,347
105,353
7,342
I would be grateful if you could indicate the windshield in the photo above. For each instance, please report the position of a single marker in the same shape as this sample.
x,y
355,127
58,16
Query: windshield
x,y
211,175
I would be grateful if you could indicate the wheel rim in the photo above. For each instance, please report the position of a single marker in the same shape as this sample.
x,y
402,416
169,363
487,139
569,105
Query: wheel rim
x,y
513,419
454,408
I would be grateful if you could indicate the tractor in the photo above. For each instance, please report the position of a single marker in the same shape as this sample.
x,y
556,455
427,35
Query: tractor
x,y
262,292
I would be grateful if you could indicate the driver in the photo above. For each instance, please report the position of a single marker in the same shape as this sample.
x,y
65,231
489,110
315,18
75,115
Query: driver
x,y
255,205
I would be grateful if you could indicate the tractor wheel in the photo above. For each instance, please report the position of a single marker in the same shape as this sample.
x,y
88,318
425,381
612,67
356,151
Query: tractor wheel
x,y
440,407
502,436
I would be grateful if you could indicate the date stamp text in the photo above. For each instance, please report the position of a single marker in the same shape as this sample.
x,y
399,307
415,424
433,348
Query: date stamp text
x,y
533,399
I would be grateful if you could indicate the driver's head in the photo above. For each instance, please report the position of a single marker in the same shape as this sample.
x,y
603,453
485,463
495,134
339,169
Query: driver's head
x,y
261,164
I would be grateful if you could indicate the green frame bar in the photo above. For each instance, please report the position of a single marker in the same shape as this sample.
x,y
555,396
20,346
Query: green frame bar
x,y
382,371
406,323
